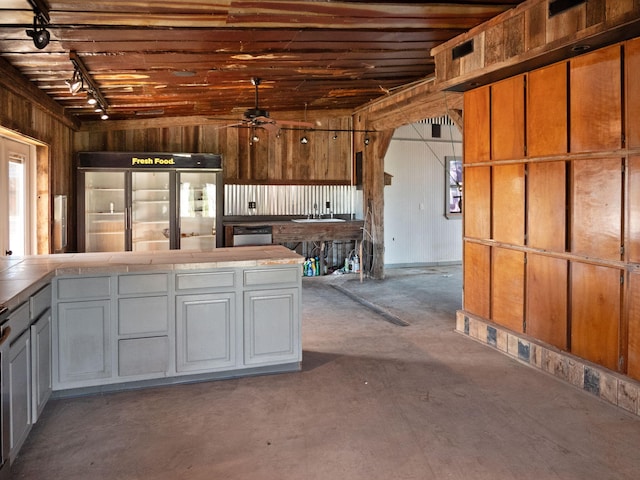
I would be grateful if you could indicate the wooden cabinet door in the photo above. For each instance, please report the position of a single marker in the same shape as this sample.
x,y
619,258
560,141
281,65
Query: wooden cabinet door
x,y
40,364
597,208
477,279
596,101
546,299
476,125
633,210
508,203
20,392
595,313
507,288
205,330
547,111
271,326
477,202
633,364
507,119
546,215
632,91
84,341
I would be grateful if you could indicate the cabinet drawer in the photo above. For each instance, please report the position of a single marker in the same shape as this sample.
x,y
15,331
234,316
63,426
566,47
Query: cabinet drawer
x,y
190,281
40,301
143,356
84,288
142,315
146,283
271,276
19,321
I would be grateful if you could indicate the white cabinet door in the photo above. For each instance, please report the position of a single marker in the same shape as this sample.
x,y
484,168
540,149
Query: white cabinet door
x,y
272,326
205,328
84,341
40,364
20,392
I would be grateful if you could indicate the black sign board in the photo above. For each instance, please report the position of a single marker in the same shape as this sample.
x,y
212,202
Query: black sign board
x,y
150,161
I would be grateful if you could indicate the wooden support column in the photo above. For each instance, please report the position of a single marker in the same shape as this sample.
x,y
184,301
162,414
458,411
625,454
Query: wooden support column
x,y
373,155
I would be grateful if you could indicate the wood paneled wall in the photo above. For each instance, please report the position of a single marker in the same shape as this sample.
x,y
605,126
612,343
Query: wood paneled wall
x,y
274,158
551,205
29,115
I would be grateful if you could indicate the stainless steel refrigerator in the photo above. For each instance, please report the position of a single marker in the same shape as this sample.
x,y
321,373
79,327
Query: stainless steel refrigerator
x,y
149,201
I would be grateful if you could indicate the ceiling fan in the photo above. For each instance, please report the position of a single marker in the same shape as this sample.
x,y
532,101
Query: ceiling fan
x,y
258,117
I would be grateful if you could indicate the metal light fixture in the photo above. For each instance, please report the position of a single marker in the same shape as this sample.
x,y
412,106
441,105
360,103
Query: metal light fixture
x,y
76,83
366,140
335,135
94,96
39,34
304,140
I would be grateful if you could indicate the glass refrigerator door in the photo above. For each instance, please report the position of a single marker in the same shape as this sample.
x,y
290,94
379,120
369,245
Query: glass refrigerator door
x,y
150,211
104,211
197,210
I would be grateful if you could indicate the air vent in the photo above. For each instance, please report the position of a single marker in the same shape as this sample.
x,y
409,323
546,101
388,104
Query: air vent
x,y
559,6
463,49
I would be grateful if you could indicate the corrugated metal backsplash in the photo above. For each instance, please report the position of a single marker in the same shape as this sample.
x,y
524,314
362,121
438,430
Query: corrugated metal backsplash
x,y
288,199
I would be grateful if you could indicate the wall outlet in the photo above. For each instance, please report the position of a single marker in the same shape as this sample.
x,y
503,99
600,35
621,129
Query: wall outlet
x,y
252,205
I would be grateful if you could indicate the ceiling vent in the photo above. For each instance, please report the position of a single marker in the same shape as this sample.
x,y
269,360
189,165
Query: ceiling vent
x,y
559,6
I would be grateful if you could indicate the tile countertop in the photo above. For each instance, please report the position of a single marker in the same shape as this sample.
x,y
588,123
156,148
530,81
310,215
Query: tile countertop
x,y
21,277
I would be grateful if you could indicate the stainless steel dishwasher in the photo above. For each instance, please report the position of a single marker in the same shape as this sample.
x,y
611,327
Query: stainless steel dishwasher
x,y
244,235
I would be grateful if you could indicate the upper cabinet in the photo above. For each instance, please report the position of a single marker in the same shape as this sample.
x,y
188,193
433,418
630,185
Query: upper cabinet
x,y
595,102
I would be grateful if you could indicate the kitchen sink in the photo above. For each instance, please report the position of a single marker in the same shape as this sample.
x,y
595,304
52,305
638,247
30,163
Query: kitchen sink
x,y
317,220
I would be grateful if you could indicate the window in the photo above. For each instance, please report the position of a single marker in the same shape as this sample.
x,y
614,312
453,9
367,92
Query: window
x,y
453,187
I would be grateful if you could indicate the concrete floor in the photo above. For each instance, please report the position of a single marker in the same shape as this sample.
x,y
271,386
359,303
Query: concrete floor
x,y
374,401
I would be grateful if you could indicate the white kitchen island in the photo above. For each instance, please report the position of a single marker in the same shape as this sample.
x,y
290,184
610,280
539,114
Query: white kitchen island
x,y
128,319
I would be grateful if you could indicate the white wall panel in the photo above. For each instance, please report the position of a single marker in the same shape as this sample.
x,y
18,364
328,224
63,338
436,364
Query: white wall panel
x,y
416,230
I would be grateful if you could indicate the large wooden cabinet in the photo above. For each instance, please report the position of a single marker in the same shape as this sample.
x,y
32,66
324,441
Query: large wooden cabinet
x,y
551,202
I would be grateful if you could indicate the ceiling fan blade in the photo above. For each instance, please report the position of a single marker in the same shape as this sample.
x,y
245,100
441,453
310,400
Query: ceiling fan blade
x,y
295,123
271,127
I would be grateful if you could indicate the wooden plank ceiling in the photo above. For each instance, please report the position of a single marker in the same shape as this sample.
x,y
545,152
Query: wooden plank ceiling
x,y
197,57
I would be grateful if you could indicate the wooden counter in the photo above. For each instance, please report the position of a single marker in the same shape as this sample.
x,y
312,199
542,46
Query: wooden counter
x,y
289,231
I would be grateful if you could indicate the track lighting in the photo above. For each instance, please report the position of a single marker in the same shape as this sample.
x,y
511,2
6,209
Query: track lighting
x,y
304,140
335,135
39,34
366,140
76,83
79,79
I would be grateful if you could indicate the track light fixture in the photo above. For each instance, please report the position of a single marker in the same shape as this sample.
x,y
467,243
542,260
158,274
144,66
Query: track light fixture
x,y
304,140
76,82
94,96
39,34
366,140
